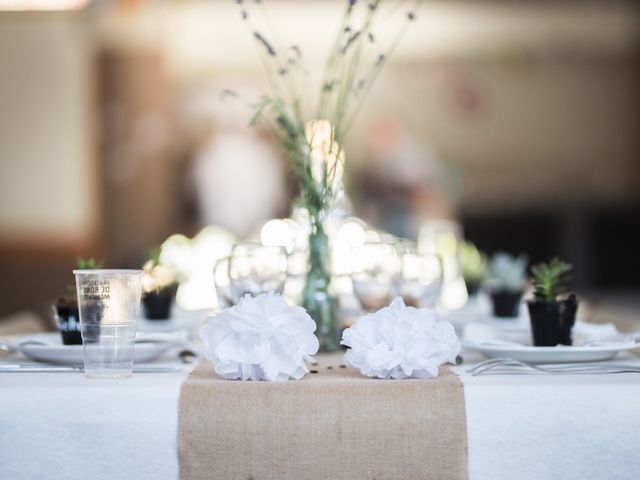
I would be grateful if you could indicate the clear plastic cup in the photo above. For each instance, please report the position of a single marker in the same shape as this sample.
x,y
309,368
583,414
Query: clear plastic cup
x,y
109,304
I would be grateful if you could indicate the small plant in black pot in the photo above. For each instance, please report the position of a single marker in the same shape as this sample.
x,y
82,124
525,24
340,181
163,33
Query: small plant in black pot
x,y
553,309
474,266
506,279
65,309
159,288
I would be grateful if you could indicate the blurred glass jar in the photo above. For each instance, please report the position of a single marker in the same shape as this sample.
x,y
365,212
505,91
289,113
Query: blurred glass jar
x,y
222,283
296,272
420,284
376,269
443,238
254,269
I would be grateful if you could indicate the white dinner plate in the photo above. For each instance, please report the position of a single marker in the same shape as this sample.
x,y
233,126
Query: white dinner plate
x,y
53,351
557,354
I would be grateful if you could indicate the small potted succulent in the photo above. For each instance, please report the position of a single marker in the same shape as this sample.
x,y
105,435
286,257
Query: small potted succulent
x,y
506,279
65,309
159,287
474,266
553,309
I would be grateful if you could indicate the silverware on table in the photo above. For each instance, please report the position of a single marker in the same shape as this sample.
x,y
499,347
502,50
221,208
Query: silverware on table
x,y
34,367
510,365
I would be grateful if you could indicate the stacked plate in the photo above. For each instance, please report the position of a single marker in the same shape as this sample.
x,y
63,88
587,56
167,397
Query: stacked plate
x,y
48,347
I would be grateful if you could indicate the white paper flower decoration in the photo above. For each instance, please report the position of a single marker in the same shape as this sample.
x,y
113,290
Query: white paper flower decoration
x,y
261,338
400,342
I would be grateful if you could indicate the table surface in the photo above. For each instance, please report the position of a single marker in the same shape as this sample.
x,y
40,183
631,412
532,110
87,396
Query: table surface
x,y
519,426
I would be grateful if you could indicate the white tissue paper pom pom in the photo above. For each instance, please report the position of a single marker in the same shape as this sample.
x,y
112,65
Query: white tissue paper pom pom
x,y
400,342
261,338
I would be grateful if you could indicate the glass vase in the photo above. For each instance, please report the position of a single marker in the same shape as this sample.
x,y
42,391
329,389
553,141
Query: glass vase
x,y
317,297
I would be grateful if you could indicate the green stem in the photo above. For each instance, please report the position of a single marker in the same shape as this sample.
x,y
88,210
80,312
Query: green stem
x,y
316,296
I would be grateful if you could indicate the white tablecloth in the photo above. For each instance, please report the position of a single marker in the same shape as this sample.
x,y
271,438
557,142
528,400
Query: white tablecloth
x,y
63,426
553,427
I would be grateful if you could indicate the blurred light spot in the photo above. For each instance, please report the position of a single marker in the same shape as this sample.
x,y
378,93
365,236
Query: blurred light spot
x,y
195,260
43,4
351,234
277,233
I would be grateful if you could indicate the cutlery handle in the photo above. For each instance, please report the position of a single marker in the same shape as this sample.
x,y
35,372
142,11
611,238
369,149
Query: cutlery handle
x,y
26,368
566,369
40,368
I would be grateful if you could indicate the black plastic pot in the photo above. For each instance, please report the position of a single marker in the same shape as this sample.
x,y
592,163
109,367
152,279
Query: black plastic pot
x,y
552,322
472,287
68,320
506,303
157,305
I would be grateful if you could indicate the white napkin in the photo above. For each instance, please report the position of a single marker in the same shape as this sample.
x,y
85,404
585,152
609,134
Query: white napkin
x,y
583,333
177,337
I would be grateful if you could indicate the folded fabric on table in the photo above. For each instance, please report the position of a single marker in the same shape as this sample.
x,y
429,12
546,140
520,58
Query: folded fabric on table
x,y
333,424
583,333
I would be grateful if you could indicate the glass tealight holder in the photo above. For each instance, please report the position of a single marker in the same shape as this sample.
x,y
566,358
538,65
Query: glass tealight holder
x,y
421,282
255,269
376,269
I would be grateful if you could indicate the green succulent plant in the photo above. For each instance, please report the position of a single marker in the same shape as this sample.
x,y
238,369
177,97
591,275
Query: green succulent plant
x,y
507,272
88,263
473,263
154,255
550,280
83,264
157,276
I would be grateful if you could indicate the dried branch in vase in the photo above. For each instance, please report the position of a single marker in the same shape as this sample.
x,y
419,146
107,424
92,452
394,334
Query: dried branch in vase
x,y
313,131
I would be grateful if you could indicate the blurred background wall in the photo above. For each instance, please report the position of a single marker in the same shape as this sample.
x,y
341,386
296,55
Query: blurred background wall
x,y
520,119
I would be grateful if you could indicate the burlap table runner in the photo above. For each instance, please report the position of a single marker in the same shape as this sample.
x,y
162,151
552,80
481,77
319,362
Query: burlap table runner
x,y
333,424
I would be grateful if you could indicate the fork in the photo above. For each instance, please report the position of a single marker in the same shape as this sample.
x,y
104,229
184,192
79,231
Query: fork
x,y
568,369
